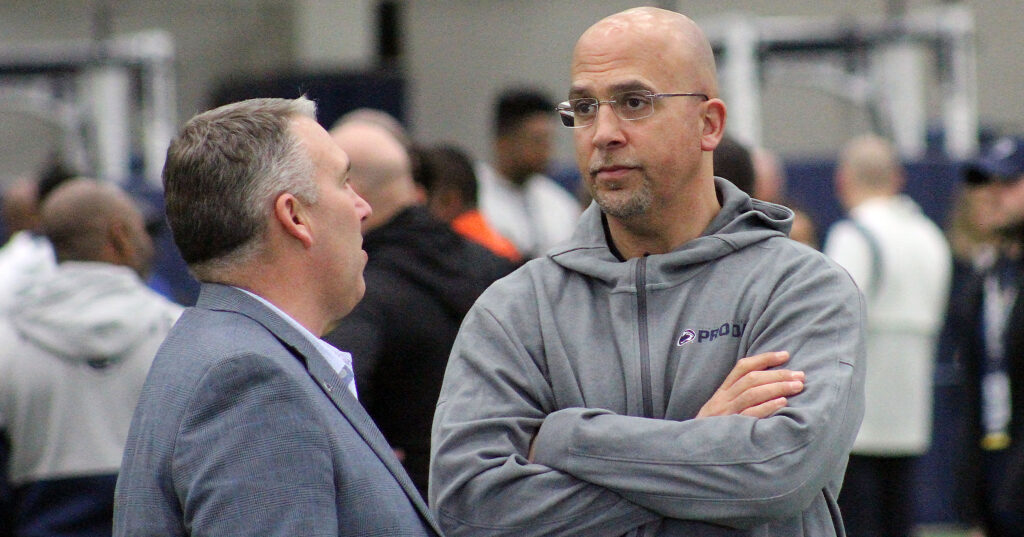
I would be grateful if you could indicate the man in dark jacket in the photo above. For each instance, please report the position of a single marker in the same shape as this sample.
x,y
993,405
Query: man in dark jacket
x,y
990,313
421,279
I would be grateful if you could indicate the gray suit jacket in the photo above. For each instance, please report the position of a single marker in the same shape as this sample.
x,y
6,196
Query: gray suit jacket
x,y
243,428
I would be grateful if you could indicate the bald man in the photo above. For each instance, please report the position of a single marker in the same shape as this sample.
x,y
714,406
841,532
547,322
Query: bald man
x,y
902,262
421,279
629,383
73,357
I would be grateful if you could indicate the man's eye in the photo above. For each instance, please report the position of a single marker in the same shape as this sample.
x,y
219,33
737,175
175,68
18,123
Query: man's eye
x,y
584,107
633,101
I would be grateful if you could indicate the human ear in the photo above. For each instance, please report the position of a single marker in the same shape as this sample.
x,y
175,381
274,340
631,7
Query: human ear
x,y
714,124
120,240
293,217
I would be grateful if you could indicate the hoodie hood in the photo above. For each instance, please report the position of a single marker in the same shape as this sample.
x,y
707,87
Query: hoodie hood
x,y
433,256
740,223
91,312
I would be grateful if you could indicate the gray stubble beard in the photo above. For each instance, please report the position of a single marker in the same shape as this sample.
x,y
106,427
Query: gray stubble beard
x,y
637,204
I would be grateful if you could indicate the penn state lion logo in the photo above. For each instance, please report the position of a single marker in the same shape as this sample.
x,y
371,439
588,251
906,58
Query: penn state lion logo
x,y
686,338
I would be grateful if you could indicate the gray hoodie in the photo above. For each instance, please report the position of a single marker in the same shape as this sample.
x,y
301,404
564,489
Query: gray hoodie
x,y
603,365
74,353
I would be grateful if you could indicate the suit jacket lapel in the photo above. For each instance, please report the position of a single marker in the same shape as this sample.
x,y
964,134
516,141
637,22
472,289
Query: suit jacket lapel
x,y
222,297
354,412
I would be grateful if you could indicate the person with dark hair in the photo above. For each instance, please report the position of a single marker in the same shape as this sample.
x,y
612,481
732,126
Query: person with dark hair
x,y
732,161
248,423
74,352
630,382
989,313
516,197
447,175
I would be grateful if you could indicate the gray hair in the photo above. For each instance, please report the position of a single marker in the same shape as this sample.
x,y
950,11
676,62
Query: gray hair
x,y
223,173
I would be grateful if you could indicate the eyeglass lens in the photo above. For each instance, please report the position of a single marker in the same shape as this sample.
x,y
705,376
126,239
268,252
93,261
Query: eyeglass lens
x,y
628,105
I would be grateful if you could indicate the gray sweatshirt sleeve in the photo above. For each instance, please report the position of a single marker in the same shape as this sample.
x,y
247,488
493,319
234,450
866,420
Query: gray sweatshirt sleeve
x,y
492,402
735,470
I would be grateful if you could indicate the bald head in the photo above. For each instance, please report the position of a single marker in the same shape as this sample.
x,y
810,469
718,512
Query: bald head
x,y
668,38
87,220
381,168
871,161
868,167
376,117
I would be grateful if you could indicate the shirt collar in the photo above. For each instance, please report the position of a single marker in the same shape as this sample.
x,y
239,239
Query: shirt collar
x,y
339,360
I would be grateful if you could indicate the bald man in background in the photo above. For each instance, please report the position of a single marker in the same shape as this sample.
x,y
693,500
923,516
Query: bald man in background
x,y
421,279
74,353
902,263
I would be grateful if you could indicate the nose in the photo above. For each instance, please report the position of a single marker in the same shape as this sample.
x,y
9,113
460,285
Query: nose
x,y
607,128
363,208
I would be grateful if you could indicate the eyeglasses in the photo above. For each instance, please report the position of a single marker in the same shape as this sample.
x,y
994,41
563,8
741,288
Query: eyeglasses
x,y
628,105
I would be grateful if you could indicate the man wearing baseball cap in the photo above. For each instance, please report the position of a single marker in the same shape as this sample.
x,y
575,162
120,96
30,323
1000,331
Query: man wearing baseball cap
x,y
990,317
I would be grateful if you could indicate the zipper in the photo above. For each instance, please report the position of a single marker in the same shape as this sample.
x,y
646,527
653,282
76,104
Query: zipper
x,y
645,351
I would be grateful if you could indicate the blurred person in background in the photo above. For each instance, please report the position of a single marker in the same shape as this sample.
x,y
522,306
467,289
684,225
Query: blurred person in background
x,y
518,200
421,279
19,206
26,255
902,263
447,175
769,176
988,316
732,161
74,352
770,185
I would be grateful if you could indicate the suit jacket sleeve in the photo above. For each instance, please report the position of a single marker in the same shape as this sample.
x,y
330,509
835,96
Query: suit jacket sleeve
x,y
250,458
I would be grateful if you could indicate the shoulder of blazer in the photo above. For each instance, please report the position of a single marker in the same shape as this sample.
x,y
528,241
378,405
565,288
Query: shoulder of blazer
x,y
227,298
219,297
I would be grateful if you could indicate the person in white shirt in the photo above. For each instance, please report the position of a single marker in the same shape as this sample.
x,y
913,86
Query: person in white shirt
x,y
902,264
516,198
75,349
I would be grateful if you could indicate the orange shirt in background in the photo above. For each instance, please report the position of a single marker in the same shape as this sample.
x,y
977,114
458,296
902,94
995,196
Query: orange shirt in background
x,y
471,224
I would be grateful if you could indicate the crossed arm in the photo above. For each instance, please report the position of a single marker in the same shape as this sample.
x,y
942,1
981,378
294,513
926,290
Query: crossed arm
x,y
751,389
512,457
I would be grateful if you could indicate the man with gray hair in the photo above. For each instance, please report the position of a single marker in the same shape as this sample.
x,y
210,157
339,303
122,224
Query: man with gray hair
x,y
249,423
